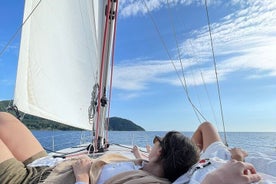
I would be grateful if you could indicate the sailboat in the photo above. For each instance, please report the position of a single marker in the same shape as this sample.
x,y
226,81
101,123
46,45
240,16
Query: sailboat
x,y
65,65
64,69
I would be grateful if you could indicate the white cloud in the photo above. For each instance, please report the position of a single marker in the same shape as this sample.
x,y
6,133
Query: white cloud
x,y
243,40
127,96
6,82
141,7
249,35
137,76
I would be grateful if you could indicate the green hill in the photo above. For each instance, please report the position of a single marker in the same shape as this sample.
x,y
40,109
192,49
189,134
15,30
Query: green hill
x,y
120,124
4,104
37,123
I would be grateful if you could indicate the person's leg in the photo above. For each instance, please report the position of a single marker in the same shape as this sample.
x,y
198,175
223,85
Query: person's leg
x,y
5,153
16,139
205,135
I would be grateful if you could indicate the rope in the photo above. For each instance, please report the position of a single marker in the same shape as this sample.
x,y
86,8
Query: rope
x,y
14,109
215,66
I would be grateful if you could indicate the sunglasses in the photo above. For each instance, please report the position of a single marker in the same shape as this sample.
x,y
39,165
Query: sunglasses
x,y
157,138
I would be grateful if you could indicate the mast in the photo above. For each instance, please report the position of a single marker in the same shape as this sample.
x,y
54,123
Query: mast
x,y
59,53
105,72
59,59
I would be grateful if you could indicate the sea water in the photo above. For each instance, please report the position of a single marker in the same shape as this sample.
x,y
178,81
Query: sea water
x,y
56,140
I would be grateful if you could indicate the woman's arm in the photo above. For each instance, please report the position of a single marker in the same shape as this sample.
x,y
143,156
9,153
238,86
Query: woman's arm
x,y
233,172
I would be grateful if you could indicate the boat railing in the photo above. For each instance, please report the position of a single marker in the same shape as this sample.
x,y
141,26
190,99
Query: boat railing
x,y
57,140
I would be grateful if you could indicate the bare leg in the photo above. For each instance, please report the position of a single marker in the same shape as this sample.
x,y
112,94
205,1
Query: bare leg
x,y
81,169
205,135
5,153
16,139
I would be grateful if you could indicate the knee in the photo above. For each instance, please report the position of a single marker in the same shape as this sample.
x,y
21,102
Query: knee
x,y
206,125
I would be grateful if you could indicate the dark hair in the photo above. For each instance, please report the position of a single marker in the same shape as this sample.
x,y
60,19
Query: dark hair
x,y
179,154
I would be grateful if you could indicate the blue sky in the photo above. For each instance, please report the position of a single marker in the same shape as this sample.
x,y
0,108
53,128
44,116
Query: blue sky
x,y
146,88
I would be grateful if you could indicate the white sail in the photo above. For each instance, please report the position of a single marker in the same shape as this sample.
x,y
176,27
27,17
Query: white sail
x,y
60,59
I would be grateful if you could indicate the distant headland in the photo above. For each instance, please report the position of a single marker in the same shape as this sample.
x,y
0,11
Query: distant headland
x,y
37,123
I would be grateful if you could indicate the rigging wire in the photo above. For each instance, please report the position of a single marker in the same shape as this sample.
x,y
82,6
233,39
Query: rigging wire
x,y
182,69
184,85
215,67
205,86
209,99
18,29
5,48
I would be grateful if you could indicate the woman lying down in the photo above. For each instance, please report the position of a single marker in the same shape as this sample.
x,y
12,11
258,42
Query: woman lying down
x,y
170,157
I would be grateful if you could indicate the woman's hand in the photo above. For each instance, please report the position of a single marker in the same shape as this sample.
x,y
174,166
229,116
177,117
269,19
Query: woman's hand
x,y
233,172
148,147
81,169
238,154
